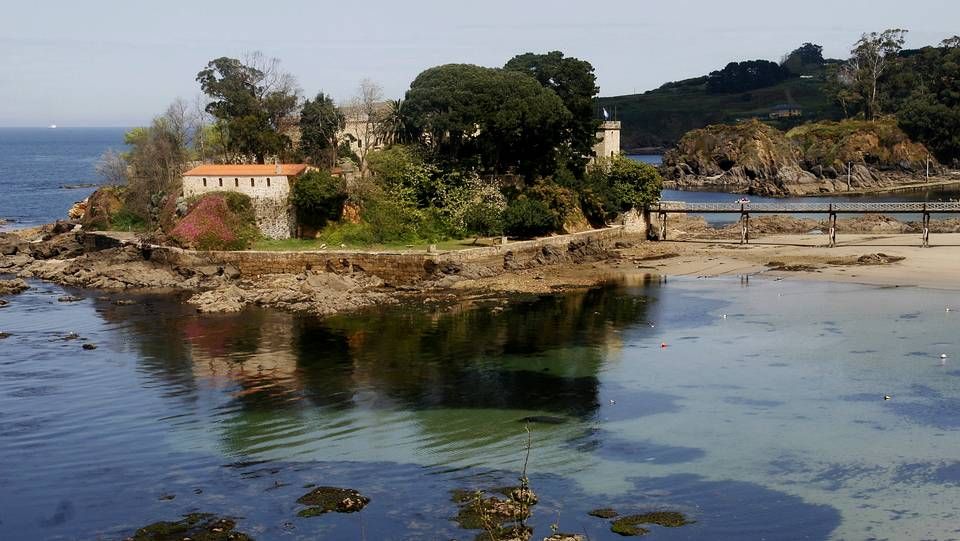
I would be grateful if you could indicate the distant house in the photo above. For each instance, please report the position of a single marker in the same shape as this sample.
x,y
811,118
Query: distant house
x,y
786,111
268,186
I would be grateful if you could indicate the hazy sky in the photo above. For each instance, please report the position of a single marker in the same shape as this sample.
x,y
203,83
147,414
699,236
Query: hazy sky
x,y
118,63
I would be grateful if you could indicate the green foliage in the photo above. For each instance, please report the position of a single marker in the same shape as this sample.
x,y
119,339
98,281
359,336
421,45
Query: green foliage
x,y
574,81
806,58
472,206
252,102
832,144
318,198
403,171
125,220
386,220
526,218
494,119
320,123
926,94
745,76
618,184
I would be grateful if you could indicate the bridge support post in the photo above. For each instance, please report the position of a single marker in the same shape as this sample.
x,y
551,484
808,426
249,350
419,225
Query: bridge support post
x,y
833,227
926,229
744,227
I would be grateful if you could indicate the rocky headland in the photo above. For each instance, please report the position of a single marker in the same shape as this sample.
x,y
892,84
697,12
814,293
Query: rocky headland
x,y
819,158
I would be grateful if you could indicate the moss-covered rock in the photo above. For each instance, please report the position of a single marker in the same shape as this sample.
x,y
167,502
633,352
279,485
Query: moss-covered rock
x,y
195,526
323,500
631,525
501,519
101,206
603,512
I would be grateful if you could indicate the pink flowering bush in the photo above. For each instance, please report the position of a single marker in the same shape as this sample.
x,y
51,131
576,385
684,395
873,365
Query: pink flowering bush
x,y
217,221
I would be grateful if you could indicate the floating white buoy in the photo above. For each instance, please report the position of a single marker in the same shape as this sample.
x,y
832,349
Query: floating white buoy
x,y
943,355
724,316
948,309
886,397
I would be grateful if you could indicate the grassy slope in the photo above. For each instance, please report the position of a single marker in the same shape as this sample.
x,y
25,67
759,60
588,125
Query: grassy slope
x,y
659,118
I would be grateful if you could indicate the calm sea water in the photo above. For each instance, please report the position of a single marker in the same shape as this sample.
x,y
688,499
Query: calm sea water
x,y
768,423
36,162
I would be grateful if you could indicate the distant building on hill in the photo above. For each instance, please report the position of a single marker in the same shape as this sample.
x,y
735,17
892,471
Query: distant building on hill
x,y
609,139
268,187
786,110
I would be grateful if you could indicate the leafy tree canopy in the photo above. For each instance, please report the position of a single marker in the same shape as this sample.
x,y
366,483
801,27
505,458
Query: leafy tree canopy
x,y
574,81
744,76
498,120
320,122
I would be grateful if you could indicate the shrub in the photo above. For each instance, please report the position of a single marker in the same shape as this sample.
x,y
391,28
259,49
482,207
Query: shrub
x,y
472,206
318,198
526,218
401,169
618,184
217,221
126,220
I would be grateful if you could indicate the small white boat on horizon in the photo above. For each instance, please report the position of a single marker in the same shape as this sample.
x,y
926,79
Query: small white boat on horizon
x,y
53,126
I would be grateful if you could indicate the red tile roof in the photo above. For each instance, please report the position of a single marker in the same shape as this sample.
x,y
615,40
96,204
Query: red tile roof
x,y
266,170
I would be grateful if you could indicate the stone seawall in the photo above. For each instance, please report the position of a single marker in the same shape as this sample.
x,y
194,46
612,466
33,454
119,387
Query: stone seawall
x,y
397,266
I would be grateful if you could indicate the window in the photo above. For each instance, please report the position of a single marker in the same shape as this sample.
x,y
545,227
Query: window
x,y
268,183
221,183
236,183
252,184
204,182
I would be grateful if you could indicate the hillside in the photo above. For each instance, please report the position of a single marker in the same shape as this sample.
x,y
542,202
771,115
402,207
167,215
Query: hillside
x,y
660,117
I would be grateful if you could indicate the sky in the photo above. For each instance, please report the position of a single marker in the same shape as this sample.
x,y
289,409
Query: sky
x,y
119,63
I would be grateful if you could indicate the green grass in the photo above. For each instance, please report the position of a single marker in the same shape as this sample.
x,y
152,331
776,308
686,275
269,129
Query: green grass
x,y
306,245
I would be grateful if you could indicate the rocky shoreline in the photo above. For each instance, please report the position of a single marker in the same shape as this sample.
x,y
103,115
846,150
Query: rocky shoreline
x,y
58,253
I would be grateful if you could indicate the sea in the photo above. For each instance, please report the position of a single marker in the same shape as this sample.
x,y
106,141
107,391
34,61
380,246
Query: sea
x,y
756,408
40,169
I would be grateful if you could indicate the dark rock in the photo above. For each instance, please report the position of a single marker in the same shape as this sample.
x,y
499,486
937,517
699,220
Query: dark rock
x,y
124,302
69,298
208,271
604,512
231,272
4,335
88,346
630,525
331,499
195,526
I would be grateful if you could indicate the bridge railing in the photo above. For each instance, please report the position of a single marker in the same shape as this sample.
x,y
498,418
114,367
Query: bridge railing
x,y
894,207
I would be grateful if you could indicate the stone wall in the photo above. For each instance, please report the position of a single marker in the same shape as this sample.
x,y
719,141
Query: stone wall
x,y
395,267
269,195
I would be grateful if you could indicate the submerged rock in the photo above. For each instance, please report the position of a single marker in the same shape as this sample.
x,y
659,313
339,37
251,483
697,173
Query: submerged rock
x,y
332,499
630,525
195,526
69,298
88,346
501,519
604,512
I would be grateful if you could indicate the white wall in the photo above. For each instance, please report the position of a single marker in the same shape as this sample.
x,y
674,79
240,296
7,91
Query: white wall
x,y
275,217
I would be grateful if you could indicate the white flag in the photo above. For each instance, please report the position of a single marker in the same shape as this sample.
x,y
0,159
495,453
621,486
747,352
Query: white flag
x,y
606,115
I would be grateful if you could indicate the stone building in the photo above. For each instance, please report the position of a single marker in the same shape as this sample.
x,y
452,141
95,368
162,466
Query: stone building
x,y
609,139
268,187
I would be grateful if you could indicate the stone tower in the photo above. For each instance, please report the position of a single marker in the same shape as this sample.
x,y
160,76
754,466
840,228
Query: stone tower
x,y
609,135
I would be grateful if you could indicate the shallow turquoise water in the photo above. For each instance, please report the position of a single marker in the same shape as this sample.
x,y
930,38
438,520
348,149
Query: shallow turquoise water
x,y
767,423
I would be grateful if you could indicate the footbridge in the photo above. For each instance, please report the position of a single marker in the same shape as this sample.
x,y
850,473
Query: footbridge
x,y
831,210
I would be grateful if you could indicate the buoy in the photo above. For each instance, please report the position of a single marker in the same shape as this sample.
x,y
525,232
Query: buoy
x,y
943,355
663,345
724,316
886,397
948,309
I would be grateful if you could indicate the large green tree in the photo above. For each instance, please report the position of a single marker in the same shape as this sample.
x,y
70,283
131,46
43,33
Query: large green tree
x,y
574,81
873,56
320,123
497,120
929,103
253,100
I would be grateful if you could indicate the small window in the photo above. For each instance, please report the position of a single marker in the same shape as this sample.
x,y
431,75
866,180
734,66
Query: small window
x,y
252,183
204,183
268,183
236,183
221,183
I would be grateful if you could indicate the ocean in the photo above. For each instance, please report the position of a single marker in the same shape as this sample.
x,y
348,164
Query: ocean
x,y
36,164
